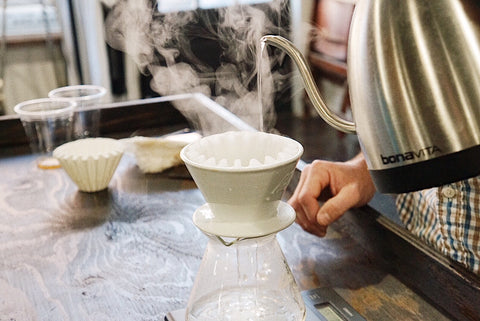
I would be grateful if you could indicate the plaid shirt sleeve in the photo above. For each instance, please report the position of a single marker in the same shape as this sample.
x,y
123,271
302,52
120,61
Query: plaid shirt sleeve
x,y
447,218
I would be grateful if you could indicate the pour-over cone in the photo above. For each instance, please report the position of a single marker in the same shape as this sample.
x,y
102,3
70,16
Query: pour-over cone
x,y
242,176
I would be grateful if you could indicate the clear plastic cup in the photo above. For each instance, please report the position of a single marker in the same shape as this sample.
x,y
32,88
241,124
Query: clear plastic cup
x,y
88,99
48,123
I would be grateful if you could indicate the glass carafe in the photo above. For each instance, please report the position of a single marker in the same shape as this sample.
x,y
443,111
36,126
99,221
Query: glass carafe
x,y
245,280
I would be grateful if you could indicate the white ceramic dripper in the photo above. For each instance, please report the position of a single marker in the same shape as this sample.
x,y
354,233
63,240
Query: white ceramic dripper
x,y
242,176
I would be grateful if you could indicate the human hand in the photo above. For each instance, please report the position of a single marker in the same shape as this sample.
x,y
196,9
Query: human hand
x,y
349,184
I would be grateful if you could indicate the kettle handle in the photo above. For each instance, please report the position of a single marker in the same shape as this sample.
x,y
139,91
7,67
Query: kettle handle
x,y
310,86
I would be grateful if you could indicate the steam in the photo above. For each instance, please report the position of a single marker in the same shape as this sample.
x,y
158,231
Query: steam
x,y
213,52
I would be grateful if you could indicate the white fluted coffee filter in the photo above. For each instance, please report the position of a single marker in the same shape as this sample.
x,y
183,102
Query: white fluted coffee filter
x,y
90,162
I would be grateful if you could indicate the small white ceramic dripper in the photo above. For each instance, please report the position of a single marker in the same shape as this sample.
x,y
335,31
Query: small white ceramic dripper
x,y
242,176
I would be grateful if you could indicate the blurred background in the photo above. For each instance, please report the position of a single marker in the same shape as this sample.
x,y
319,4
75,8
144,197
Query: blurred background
x,y
46,44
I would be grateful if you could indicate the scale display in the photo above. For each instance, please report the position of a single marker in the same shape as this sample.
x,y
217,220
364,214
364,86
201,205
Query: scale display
x,y
326,305
323,304
328,312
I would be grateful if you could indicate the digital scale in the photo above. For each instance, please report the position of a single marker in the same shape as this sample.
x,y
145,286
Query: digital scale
x,y
323,304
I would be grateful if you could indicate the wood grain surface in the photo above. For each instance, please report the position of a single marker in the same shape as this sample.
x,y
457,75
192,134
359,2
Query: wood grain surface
x,y
131,252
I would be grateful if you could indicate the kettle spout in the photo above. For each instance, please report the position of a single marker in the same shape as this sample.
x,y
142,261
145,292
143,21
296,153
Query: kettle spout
x,y
310,86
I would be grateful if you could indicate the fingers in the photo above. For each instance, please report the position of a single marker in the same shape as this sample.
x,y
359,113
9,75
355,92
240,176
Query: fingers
x,y
315,181
304,199
349,184
294,201
313,228
336,206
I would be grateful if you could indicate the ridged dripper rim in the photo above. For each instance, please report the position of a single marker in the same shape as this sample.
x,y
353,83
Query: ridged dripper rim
x,y
191,154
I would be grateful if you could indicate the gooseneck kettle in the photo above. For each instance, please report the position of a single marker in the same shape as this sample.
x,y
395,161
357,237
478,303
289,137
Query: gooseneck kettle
x,y
414,81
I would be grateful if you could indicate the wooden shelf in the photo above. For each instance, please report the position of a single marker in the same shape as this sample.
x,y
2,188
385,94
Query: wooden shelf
x,y
325,64
25,40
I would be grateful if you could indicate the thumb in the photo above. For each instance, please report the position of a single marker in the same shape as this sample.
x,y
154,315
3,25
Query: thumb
x,y
336,206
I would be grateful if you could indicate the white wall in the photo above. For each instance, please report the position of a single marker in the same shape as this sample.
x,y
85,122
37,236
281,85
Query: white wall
x,y
31,72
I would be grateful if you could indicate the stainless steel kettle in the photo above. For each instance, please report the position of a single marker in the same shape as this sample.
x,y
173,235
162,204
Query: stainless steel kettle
x,y
414,81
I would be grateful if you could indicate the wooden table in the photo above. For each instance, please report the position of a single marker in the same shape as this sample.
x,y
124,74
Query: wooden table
x,y
131,252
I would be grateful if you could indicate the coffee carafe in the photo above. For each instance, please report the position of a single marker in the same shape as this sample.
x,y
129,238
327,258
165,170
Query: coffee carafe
x,y
414,82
